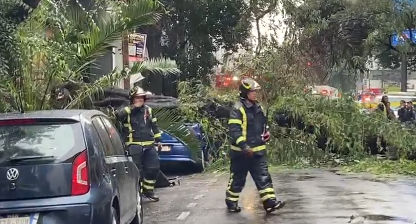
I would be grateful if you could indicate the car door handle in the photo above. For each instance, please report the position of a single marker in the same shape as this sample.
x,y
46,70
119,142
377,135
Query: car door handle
x,y
126,168
113,171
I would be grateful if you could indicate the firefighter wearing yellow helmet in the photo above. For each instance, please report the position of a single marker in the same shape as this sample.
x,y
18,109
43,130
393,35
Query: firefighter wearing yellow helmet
x,y
141,132
249,134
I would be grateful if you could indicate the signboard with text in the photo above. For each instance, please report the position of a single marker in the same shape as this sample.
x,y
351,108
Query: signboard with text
x,y
403,6
137,47
399,39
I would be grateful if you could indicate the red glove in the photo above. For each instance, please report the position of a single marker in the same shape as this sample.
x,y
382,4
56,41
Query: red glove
x,y
266,136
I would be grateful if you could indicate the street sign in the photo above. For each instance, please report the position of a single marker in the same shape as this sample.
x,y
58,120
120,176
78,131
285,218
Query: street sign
x,y
137,46
399,39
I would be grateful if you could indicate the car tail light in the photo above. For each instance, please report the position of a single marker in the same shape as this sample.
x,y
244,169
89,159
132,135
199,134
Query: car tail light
x,y
80,176
17,122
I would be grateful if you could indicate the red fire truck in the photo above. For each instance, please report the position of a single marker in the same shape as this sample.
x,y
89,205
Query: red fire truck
x,y
226,80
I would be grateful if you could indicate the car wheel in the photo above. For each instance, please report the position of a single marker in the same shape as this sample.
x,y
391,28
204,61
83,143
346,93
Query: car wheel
x,y
138,219
114,216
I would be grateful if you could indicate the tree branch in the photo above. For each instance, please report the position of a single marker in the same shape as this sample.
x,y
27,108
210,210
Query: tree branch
x,y
267,11
258,14
388,45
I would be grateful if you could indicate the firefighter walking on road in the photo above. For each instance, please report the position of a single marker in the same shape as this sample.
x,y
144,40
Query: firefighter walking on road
x,y
141,132
249,134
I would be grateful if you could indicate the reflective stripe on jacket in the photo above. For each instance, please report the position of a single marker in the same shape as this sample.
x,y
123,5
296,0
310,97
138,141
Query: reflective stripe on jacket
x,y
139,126
246,126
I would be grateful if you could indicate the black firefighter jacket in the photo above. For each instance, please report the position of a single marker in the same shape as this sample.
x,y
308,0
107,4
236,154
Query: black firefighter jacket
x,y
246,126
139,126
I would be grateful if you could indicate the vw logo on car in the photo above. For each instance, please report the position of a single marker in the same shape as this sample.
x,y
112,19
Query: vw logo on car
x,y
12,174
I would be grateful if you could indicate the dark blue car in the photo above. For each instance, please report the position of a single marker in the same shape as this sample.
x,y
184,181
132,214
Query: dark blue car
x,y
194,151
66,167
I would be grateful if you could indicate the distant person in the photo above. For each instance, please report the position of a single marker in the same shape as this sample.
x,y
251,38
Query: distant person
x,y
410,112
390,115
402,111
382,107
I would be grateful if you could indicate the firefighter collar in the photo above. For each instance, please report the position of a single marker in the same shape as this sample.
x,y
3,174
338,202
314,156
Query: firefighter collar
x,y
137,109
249,104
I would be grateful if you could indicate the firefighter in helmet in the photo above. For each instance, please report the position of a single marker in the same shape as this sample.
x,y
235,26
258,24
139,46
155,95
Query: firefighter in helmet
x,y
141,132
249,134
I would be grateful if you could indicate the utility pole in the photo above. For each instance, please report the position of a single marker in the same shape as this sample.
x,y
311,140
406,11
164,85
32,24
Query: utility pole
x,y
126,62
403,73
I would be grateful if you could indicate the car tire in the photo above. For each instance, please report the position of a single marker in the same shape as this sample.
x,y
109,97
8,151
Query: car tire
x,y
114,216
138,218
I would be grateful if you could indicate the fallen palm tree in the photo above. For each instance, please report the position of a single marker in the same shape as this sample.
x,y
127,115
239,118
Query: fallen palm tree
x,y
117,98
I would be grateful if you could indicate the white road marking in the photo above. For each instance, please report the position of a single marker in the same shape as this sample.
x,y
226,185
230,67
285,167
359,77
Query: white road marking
x,y
199,196
191,205
203,191
183,215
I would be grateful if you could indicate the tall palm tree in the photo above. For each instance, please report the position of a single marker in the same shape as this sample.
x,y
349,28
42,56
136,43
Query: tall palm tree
x,y
61,41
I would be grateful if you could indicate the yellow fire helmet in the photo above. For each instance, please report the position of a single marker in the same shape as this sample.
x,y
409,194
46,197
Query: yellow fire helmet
x,y
247,85
137,91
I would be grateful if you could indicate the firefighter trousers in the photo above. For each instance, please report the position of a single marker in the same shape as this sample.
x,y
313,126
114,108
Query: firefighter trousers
x,y
258,168
146,159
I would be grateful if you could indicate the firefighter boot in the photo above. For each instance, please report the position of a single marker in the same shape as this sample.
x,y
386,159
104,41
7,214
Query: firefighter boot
x,y
232,206
151,195
271,205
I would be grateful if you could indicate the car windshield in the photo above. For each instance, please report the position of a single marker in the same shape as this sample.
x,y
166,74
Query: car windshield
x,y
50,140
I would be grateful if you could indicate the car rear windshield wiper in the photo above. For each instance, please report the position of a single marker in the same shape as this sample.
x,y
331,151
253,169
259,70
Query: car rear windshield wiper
x,y
23,158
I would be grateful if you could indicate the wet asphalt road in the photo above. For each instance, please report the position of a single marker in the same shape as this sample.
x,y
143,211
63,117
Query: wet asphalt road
x,y
313,197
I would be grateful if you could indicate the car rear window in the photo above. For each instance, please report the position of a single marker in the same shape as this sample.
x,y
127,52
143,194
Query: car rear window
x,y
57,141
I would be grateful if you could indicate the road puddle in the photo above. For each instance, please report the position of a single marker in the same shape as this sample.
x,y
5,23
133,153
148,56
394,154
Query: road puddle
x,y
378,218
305,177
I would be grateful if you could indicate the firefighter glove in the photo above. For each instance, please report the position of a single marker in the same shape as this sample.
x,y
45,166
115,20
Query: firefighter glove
x,y
248,152
266,136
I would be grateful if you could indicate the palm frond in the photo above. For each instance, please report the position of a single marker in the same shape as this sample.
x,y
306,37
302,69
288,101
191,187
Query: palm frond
x,y
94,30
172,122
139,13
88,91
110,28
32,63
161,66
